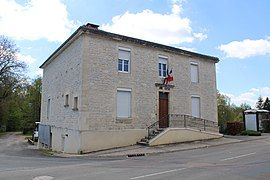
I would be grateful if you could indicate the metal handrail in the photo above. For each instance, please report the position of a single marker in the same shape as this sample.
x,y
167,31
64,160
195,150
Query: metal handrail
x,y
184,120
155,125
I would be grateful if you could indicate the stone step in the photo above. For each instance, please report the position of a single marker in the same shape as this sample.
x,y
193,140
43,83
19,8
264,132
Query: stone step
x,y
154,133
143,143
144,139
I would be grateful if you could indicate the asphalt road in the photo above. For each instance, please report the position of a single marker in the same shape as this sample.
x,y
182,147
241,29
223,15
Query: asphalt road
x,y
246,160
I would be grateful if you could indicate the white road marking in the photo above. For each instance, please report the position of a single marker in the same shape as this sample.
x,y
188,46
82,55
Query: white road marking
x,y
236,157
154,174
43,178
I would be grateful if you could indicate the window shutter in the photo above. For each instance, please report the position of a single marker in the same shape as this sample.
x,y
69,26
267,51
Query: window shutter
x,y
124,55
195,103
194,73
123,104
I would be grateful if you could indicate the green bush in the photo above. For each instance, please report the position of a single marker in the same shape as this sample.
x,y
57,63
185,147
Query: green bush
x,y
266,126
234,128
251,133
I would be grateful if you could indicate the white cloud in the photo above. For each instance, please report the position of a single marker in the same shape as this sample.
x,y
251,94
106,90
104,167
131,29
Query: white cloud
x,y
170,28
35,20
246,48
250,97
200,36
26,58
39,72
187,48
176,9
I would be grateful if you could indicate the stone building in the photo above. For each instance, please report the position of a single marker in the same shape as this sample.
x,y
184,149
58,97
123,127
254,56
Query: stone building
x,y
102,90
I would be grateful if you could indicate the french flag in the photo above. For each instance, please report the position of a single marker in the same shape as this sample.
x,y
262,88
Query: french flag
x,y
169,77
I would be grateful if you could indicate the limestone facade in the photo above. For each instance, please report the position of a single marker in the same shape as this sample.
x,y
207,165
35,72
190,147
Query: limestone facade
x,y
85,69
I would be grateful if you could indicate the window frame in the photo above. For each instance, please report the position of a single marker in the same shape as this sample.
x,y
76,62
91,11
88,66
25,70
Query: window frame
x,y
66,100
162,60
75,103
122,70
48,108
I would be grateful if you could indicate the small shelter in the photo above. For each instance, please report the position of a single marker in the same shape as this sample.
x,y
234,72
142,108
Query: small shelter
x,y
253,118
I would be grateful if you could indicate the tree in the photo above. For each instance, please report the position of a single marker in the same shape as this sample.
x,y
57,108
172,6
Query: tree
x,y
10,68
224,111
259,104
245,106
11,76
32,105
228,112
266,104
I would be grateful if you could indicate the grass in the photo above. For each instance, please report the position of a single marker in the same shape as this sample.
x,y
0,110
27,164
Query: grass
x,y
251,133
47,152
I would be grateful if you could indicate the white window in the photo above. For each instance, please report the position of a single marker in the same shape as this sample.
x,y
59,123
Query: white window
x,y
48,108
123,103
124,60
66,100
194,72
195,106
162,66
75,104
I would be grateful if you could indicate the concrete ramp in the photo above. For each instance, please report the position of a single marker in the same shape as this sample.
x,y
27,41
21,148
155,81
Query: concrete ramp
x,y
178,135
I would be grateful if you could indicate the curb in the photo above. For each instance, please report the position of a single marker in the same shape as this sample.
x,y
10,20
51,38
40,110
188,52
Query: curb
x,y
139,154
143,154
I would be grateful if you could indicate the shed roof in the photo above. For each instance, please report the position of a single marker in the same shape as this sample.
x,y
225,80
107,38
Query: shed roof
x,y
256,111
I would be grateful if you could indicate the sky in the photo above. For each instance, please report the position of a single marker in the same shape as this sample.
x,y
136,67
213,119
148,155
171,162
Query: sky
x,y
237,32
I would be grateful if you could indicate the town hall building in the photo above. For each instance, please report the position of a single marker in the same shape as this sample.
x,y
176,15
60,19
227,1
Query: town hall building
x,y
102,90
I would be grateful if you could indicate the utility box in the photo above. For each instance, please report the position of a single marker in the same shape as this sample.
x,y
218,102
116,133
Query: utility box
x,y
253,119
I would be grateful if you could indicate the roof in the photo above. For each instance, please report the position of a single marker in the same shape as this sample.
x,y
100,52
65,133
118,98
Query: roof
x,y
256,110
92,28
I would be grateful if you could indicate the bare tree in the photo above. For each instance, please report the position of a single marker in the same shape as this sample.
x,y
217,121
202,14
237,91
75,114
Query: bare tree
x,y
11,69
9,64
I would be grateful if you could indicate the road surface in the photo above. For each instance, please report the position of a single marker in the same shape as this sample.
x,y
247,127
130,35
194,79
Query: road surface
x,y
246,160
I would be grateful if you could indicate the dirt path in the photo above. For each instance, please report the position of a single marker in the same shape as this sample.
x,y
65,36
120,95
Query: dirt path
x,y
15,144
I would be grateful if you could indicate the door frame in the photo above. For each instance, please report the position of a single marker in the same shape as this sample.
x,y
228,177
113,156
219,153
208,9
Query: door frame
x,y
158,107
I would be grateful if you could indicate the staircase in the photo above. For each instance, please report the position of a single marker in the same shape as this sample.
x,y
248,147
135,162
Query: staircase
x,y
182,123
145,141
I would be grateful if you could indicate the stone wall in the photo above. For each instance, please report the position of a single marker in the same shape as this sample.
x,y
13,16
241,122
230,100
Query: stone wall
x,y
87,69
101,80
61,77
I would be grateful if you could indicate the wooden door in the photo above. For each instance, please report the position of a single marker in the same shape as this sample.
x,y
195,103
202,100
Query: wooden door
x,y
163,110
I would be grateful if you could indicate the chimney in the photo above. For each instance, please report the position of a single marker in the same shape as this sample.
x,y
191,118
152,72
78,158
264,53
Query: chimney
x,y
92,26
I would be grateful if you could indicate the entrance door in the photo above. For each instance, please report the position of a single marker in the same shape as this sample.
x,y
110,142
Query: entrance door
x,y
163,110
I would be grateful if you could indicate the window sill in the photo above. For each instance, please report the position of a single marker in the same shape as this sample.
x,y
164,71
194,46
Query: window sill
x,y
124,120
124,72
